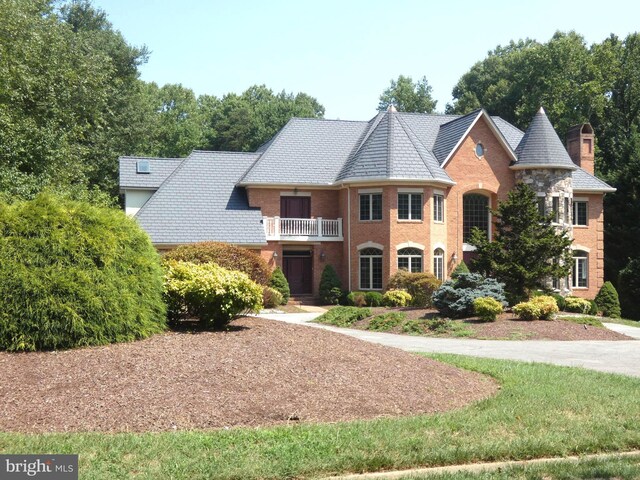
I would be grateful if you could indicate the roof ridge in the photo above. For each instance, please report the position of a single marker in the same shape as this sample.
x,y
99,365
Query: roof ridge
x,y
376,121
139,157
389,140
460,117
224,151
415,141
328,120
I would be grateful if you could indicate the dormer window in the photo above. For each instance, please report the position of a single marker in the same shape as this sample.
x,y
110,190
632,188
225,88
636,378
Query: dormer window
x,y
143,166
479,150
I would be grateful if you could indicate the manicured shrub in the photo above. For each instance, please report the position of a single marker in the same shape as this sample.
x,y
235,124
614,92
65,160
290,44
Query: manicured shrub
x,y
279,282
72,274
420,286
487,308
271,298
343,316
455,297
357,299
460,268
386,321
608,301
330,286
559,300
577,305
373,299
396,298
593,307
225,255
209,293
629,289
538,308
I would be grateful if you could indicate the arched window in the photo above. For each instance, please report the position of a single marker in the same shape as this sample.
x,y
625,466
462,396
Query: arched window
x,y
475,213
580,271
410,259
438,263
371,269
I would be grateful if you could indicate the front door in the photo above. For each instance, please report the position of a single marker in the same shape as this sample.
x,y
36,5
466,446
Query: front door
x,y
297,267
295,207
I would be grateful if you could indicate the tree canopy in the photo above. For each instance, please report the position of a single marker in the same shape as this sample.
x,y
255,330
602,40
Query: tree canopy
x,y
407,96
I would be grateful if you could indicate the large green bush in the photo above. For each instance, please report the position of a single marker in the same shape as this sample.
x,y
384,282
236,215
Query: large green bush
x,y
72,274
542,307
209,293
487,308
420,285
330,286
577,305
396,298
629,289
279,282
460,268
455,297
608,301
225,255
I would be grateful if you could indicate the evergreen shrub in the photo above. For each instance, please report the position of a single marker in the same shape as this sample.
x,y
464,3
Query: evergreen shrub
x,y
330,286
629,289
608,301
271,298
455,297
373,299
460,268
420,285
73,274
279,282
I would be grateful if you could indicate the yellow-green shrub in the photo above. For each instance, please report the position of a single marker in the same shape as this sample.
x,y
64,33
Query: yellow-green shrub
x,y
538,308
396,298
271,297
210,293
487,308
577,305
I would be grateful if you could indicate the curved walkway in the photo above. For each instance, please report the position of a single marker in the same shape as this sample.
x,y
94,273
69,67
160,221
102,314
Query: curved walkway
x,y
605,356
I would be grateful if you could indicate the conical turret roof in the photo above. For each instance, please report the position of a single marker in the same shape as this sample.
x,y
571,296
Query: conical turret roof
x,y
541,147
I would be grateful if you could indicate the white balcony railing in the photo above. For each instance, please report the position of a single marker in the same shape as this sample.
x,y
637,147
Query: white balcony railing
x,y
302,229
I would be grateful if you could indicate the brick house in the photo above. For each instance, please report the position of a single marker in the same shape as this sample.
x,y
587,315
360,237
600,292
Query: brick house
x,y
402,190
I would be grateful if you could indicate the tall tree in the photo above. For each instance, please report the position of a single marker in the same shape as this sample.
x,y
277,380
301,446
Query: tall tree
x,y
407,96
526,249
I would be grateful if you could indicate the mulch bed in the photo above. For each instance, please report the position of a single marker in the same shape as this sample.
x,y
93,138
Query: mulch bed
x,y
261,372
509,327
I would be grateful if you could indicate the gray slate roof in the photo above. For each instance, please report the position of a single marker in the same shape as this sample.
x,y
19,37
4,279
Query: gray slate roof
x,y
306,151
391,150
161,168
450,134
541,146
200,201
584,181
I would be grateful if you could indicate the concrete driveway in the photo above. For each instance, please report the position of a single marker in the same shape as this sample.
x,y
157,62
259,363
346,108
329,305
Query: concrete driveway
x,y
605,356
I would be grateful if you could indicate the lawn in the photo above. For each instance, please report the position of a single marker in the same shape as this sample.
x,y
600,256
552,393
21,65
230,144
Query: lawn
x,y
541,410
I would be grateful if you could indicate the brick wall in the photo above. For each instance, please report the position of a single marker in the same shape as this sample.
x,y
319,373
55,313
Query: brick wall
x,y
592,238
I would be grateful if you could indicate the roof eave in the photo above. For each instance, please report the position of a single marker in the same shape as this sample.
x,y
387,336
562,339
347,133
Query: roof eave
x,y
594,190
540,165
392,180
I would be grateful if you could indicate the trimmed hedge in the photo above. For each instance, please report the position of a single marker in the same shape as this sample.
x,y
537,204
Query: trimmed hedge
x,y
208,292
396,298
373,299
487,308
73,274
225,255
608,301
577,305
357,299
455,297
420,286
542,307
279,282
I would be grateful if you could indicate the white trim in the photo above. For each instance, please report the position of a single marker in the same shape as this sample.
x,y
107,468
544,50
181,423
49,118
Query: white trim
x,y
410,245
295,194
541,194
468,248
364,191
438,192
439,245
555,194
580,199
496,131
392,181
410,190
596,191
580,247
370,244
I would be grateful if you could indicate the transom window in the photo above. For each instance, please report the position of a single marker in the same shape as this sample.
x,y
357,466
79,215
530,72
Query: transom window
x,y
475,214
580,273
410,259
371,269
438,208
410,206
438,263
579,213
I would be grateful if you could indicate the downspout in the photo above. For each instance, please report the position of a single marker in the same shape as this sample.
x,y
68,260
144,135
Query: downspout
x,y
349,234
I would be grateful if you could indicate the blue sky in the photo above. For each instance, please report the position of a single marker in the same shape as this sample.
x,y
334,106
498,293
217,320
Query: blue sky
x,y
344,53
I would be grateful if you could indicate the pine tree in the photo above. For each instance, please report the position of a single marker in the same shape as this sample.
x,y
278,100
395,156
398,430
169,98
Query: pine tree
x,y
460,268
330,286
279,282
526,249
608,301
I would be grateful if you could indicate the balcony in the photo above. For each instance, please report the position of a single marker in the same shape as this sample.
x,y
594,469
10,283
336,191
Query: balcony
x,y
303,229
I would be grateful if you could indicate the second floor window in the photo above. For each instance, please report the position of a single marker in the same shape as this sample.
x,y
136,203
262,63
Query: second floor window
x,y
409,206
555,207
438,208
579,213
370,206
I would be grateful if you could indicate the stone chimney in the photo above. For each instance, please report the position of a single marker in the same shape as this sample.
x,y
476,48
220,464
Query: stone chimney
x,y
580,143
